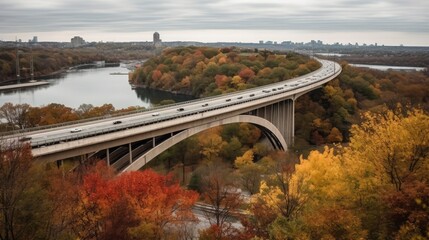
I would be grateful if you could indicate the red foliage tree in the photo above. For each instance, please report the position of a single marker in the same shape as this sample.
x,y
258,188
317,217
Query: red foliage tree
x,y
134,205
246,73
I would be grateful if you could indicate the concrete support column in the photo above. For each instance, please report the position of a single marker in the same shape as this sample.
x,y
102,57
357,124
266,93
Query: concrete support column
x,y
108,156
290,121
83,158
130,152
281,115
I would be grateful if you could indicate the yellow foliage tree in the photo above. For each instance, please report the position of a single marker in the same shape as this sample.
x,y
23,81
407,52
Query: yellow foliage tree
x,y
211,143
246,159
329,212
236,80
393,146
280,194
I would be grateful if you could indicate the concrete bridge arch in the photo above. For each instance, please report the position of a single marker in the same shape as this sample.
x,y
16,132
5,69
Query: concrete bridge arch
x,y
270,131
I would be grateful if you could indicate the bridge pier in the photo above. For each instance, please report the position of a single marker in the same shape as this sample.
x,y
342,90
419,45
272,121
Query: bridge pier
x,y
281,115
130,151
108,156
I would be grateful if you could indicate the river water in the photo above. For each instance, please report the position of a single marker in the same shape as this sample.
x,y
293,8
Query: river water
x,y
96,86
386,68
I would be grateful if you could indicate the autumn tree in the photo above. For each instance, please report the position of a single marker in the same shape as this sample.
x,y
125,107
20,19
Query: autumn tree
x,y
249,134
133,205
102,110
84,110
218,189
329,209
231,150
394,145
246,74
250,177
386,157
63,194
16,115
280,196
408,210
211,143
51,114
23,206
334,136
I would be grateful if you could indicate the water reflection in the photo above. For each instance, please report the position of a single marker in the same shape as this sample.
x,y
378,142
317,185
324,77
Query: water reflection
x,y
156,96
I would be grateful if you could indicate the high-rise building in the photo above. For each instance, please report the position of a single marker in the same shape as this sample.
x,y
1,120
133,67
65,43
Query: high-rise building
x,y
77,41
156,40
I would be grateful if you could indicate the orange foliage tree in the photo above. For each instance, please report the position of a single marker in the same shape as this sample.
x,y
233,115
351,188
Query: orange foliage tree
x,y
135,205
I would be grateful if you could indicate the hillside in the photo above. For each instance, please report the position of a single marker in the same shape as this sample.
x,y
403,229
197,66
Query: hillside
x,y
207,71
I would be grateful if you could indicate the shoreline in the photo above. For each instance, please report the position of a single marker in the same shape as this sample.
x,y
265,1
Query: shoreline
x,y
136,86
52,74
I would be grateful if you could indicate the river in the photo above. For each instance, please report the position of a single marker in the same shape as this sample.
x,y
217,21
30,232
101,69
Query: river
x,y
386,68
96,86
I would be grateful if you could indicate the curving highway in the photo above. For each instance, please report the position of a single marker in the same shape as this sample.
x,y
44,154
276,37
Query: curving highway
x,y
68,133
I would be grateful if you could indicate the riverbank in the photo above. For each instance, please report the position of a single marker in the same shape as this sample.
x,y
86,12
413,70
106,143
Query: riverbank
x,y
59,72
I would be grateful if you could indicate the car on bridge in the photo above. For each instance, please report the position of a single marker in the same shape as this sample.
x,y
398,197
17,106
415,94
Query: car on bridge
x,y
117,122
205,105
155,114
180,109
24,139
75,130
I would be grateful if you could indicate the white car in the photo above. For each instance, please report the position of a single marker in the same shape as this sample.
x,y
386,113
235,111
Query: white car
x,y
75,130
155,114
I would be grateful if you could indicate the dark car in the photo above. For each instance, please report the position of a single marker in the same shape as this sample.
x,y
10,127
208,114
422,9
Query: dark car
x,y
23,139
117,122
180,109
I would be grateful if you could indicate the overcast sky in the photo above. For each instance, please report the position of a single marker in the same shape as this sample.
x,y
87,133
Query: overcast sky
x,y
389,22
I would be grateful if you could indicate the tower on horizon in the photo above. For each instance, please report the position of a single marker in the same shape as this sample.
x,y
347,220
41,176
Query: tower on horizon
x,y
156,40
77,41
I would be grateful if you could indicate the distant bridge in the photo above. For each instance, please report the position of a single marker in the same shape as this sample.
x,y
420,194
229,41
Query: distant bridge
x,y
128,142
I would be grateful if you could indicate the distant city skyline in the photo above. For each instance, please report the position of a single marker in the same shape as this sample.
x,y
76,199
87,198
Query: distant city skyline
x,y
388,22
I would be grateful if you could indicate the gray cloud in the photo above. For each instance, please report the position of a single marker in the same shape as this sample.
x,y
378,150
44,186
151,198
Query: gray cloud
x,y
21,16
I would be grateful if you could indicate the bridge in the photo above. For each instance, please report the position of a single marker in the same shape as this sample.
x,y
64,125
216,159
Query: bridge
x,y
130,141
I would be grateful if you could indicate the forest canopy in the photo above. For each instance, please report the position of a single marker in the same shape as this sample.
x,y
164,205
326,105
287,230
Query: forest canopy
x,y
204,71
